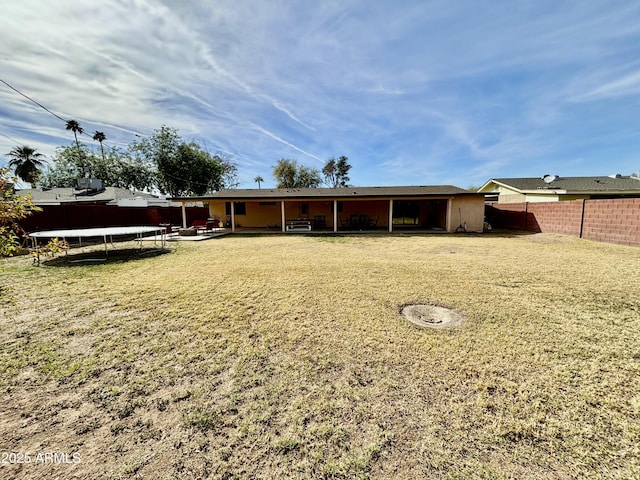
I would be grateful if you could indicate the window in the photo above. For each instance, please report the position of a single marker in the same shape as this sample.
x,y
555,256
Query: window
x,y
239,208
405,212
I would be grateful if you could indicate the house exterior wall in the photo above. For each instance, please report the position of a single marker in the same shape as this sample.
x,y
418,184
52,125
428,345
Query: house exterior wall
x,y
564,198
260,215
505,195
433,212
470,210
308,210
375,209
542,198
217,210
257,214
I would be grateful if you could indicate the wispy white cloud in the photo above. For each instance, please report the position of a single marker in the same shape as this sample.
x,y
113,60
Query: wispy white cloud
x,y
626,85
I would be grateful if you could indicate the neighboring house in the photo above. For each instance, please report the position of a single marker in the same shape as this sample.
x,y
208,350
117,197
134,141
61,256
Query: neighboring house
x,y
102,195
94,205
553,188
437,208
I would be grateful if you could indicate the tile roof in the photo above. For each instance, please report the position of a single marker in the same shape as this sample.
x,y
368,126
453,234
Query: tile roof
x,y
349,192
574,184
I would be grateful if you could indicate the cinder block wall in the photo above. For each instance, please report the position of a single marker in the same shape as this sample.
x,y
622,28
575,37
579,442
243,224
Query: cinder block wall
x,y
557,217
613,221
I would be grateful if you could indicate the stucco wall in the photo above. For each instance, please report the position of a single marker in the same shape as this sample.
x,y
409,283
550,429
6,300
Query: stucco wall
x,y
469,211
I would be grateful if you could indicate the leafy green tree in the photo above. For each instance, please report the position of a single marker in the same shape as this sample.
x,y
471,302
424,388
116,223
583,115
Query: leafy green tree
x,y
285,173
100,137
230,172
336,172
12,209
183,168
66,167
116,169
26,162
308,177
289,174
197,172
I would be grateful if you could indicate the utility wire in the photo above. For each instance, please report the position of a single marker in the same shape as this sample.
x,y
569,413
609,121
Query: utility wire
x,y
44,108
81,133
12,139
31,99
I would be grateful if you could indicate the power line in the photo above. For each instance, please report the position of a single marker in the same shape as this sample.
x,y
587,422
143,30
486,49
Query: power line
x,y
44,108
32,100
12,139
82,132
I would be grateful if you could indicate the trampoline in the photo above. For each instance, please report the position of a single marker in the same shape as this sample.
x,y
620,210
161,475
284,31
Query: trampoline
x,y
106,233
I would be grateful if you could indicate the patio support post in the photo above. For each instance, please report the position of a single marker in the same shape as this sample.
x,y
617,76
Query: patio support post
x,y
448,226
233,217
390,215
184,215
282,219
335,216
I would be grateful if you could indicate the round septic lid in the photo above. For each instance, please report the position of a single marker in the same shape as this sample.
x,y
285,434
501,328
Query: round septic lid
x,y
431,316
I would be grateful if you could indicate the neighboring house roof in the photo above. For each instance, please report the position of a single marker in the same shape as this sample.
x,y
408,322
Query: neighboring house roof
x,y
58,196
332,193
569,185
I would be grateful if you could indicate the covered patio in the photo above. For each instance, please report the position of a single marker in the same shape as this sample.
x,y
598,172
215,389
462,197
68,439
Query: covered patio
x,y
385,209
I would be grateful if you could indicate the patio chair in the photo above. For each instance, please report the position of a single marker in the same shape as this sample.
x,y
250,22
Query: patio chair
x,y
200,225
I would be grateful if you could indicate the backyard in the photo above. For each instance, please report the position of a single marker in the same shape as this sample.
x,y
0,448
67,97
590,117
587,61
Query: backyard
x,y
280,356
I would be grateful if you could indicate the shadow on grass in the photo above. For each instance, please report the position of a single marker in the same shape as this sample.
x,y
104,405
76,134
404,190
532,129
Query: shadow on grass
x,y
98,257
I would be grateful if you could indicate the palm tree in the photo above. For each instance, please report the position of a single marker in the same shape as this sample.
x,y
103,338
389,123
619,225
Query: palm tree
x,y
76,129
100,137
27,163
258,180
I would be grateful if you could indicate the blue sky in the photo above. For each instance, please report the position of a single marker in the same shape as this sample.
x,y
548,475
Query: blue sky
x,y
413,92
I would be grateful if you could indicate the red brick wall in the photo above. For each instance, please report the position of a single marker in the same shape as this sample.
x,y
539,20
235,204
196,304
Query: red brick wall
x,y
55,217
614,221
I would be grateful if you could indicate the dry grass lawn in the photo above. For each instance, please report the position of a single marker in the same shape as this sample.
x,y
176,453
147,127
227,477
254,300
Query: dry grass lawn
x,y
286,357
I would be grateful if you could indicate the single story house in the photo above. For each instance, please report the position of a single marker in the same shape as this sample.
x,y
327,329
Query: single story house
x,y
438,208
95,205
553,188
95,196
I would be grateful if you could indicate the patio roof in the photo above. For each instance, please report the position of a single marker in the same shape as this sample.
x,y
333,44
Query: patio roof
x,y
331,193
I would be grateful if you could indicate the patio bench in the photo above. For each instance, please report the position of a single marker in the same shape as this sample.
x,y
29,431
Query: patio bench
x,y
298,226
